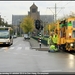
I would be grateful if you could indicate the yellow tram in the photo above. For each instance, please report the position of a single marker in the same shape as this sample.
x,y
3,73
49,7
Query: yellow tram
x,y
66,33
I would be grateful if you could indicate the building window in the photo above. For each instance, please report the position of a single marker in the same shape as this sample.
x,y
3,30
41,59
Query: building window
x,y
33,10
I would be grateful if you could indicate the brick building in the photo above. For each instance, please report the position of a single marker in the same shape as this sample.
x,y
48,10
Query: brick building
x,y
16,19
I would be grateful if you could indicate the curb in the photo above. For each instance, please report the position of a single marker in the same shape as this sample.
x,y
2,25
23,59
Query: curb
x,y
41,49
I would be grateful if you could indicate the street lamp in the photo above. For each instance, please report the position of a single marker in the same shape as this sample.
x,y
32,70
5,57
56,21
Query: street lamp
x,y
20,28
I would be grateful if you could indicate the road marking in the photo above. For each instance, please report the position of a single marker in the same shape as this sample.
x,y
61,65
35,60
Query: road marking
x,y
5,48
27,48
11,47
19,48
15,42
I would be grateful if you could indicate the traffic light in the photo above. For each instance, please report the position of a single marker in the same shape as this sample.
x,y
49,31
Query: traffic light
x,y
37,24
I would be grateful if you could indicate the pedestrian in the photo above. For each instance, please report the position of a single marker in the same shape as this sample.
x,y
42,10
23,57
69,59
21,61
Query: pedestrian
x,y
50,41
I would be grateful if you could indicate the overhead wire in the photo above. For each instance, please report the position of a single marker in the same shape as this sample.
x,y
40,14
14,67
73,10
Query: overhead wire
x,y
64,7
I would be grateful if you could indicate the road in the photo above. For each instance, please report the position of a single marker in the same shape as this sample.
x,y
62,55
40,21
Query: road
x,y
19,57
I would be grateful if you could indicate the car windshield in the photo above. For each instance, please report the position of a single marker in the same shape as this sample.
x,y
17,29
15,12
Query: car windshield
x,y
25,35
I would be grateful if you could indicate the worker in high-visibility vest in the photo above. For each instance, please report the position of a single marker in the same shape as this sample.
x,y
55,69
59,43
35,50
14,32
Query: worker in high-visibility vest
x,y
55,39
53,48
51,43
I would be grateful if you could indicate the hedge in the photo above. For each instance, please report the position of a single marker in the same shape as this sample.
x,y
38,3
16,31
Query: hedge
x,y
43,40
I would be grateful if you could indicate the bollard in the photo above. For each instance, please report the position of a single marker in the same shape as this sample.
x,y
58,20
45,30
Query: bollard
x,y
40,45
40,42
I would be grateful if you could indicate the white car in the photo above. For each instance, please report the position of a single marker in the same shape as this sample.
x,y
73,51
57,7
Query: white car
x,y
15,36
26,36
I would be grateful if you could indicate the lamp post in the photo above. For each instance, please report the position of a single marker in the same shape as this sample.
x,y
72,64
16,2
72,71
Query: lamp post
x,y
19,28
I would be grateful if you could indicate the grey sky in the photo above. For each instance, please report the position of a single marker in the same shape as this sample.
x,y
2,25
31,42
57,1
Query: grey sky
x,y
9,8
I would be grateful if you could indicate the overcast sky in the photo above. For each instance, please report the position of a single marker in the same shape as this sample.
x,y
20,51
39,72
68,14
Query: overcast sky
x,y
9,8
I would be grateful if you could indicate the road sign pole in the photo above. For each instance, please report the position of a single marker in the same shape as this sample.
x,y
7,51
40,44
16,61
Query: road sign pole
x,y
40,38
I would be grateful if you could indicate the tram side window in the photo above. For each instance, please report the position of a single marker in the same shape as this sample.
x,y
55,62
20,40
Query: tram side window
x,y
73,24
73,34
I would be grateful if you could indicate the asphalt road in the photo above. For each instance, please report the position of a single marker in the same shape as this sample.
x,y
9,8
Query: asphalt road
x,y
20,57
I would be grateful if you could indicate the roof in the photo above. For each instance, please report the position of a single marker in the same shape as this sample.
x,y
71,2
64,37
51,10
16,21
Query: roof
x,y
33,6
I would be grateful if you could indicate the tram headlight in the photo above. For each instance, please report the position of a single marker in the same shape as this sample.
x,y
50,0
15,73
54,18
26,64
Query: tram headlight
x,y
71,44
69,34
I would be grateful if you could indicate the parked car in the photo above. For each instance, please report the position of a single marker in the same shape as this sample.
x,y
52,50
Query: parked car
x,y
15,36
26,36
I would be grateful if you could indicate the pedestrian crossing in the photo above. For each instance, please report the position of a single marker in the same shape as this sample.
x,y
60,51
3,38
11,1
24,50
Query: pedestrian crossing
x,y
15,48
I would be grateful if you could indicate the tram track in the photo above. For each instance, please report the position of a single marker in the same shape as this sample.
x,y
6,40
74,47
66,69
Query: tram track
x,y
71,52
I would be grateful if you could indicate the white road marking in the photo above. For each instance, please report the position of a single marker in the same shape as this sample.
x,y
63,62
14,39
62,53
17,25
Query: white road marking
x,y
27,48
19,48
3,48
15,42
11,47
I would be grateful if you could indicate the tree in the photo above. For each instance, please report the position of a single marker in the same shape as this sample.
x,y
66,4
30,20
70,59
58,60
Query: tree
x,y
27,24
52,26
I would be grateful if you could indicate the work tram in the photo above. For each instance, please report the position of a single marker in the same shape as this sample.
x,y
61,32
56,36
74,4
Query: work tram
x,y
65,30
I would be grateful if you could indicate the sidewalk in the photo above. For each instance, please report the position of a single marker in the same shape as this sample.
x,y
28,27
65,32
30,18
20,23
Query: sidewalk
x,y
35,45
